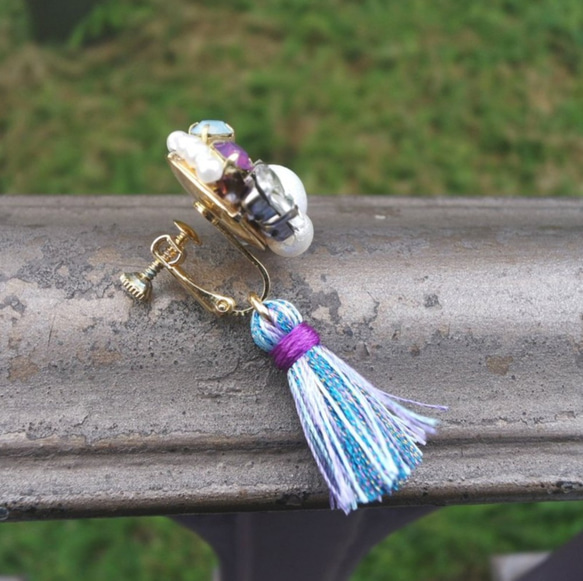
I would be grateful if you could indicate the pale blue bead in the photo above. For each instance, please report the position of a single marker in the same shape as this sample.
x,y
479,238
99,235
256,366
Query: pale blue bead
x,y
215,128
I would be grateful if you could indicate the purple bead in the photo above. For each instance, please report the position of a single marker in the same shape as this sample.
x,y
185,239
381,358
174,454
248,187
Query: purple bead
x,y
228,148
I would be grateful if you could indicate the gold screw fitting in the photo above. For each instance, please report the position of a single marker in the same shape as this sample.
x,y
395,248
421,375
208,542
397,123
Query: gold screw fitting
x,y
170,252
139,284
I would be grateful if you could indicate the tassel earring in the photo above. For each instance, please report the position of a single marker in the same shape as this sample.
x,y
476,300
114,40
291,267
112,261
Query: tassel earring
x,y
365,441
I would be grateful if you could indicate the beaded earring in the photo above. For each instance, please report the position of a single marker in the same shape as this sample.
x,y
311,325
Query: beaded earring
x,y
365,441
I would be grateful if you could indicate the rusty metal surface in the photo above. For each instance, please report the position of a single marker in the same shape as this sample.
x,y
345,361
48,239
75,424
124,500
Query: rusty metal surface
x,y
107,407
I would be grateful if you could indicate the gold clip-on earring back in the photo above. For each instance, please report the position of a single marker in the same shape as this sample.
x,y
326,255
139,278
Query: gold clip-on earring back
x,y
170,253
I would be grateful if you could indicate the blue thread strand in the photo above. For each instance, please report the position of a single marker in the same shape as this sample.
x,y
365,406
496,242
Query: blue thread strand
x,y
363,440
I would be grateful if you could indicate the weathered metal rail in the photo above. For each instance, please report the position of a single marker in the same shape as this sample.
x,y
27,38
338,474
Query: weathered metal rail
x,y
108,407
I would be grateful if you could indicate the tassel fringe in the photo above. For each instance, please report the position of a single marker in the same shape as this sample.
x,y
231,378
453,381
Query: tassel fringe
x,y
363,440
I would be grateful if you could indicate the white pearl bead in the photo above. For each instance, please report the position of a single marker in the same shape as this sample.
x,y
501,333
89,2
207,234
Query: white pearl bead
x,y
292,185
193,148
186,146
299,242
208,168
174,139
197,154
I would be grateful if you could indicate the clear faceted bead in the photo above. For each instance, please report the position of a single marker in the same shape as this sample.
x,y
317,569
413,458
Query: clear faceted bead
x,y
268,182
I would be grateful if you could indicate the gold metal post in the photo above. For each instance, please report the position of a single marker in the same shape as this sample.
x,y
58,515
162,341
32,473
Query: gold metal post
x,y
260,307
139,284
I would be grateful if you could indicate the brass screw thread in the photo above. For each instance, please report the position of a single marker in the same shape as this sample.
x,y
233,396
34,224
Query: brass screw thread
x,y
180,238
153,269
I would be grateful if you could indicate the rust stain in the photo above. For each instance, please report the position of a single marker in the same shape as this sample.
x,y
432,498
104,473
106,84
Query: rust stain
x,y
22,368
499,365
105,357
105,255
81,355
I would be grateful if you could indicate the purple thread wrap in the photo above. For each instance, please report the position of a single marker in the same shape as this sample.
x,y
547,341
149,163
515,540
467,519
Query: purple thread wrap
x,y
294,345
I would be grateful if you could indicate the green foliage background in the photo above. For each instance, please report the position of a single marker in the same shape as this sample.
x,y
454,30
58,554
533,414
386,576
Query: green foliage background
x,y
424,97
453,544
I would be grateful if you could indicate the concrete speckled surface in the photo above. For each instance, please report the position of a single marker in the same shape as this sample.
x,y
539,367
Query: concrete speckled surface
x,y
110,407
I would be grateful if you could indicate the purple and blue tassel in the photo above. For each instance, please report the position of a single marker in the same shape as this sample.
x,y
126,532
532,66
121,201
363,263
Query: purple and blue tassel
x,y
364,441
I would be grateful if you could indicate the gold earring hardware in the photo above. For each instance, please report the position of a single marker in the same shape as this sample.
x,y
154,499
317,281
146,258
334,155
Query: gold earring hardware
x,y
170,252
259,306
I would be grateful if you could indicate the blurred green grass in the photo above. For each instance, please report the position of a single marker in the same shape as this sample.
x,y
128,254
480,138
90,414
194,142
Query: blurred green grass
x,y
427,97
453,544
